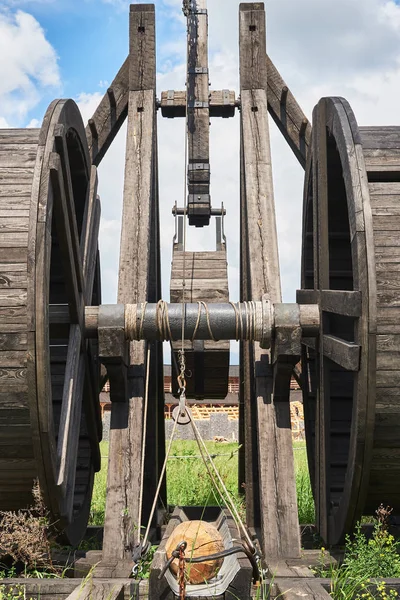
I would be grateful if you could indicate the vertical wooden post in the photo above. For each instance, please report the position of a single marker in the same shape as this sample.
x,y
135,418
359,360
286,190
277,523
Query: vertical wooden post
x,y
270,480
199,203
137,283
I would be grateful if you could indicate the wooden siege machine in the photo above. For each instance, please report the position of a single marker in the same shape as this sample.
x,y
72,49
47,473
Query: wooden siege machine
x,y
345,326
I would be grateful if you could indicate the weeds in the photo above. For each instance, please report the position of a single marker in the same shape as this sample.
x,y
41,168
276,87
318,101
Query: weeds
x,y
364,560
13,592
24,534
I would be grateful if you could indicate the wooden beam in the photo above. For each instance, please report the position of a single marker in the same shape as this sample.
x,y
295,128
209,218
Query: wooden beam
x,y
270,484
222,103
122,519
287,114
282,106
198,118
109,115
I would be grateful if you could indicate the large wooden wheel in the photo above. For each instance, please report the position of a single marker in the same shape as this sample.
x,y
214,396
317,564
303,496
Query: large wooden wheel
x,y
351,261
49,219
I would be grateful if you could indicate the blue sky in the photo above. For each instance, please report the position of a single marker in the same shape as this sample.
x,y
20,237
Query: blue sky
x,y
90,40
71,48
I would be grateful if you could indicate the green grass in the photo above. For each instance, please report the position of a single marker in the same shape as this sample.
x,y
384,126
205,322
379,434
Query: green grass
x,y
189,484
305,501
98,505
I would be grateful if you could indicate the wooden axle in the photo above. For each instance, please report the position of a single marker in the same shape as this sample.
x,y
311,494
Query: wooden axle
x,y
251,321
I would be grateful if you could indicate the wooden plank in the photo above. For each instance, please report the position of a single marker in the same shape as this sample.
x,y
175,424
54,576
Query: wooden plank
x,y
13,240
14,155
92,589
8,175
385,188
16,189
270,481
305,590
14,224
13,297
200,256
197,274
11,203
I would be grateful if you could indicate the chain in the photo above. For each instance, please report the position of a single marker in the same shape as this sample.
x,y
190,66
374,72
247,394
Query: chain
x,y
181,576
182,368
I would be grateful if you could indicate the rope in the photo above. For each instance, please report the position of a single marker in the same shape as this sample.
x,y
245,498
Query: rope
x,y
146,403
228,498
163,325
153,508
132,330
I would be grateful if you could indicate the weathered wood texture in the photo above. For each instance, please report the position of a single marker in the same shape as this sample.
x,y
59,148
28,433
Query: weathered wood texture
x,y
354,371
287,114
206,280
49,415
222,103
270,490
198,115
109,116
90,589
139,281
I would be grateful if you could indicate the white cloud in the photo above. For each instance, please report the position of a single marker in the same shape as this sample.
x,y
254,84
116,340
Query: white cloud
x,y
88,103
28,66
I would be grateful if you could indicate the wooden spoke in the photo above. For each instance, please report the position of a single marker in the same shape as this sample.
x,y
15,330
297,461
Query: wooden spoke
x,y
61,146
345,354
90,234
66,241
340,302
68,433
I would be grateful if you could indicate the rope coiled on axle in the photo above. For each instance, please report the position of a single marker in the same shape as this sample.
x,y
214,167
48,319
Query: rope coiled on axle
x,y
248,321
133,326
